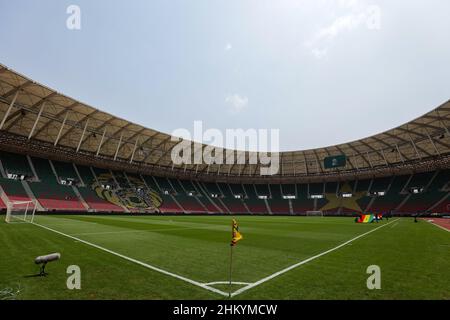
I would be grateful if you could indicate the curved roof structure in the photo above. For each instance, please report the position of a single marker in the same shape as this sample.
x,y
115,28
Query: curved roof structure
x,y
38,119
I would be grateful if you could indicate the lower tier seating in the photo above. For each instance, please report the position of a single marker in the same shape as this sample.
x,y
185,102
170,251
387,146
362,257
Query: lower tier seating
x,y
53,196
104,190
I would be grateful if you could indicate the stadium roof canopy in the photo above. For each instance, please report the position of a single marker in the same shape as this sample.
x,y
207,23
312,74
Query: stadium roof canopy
x,y
42,121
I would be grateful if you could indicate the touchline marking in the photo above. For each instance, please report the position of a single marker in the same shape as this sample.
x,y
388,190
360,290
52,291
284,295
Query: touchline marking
x,y
148,266
276,274
441,227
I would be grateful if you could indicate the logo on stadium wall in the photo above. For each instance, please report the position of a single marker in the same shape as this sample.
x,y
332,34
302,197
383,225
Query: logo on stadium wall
x,y
132,195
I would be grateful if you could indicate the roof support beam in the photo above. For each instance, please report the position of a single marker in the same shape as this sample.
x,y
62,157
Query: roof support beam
x,y
134,150
163,153
62,127
342,152
82,135
103,125
414,146
384,157
17,89
368,158
397,146
30,109
417,134
357,153
306,163
50,121
11,105
101,141
118,146
114,135
76,125
371,148
317,161
400,154
433,144
36,121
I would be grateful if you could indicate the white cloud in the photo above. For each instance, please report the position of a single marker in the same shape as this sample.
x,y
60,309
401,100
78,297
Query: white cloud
x,y
340,24
360,16
319,53
348,3
228,47
236,103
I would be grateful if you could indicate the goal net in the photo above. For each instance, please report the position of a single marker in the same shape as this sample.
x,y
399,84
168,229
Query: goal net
x,y
314,213
20,211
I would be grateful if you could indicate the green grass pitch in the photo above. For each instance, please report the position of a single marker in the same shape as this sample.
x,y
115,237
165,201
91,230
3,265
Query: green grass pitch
x,y
414,258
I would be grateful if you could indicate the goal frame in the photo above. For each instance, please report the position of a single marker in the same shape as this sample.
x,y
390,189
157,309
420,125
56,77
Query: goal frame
x,y
314,213
29,207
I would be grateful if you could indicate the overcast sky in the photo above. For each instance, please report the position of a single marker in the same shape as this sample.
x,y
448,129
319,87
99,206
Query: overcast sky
x,y
323,72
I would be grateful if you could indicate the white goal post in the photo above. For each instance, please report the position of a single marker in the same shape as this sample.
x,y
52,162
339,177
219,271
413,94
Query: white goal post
x,y
314,213
20,211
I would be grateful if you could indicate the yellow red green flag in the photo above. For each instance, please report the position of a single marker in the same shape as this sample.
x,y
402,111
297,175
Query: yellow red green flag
x,y
236,235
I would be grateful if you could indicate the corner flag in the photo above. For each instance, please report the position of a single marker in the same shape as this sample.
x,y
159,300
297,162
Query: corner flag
x,y
236,235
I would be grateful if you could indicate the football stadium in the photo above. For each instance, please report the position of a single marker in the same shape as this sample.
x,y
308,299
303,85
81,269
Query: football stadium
x,y
104,191
94,207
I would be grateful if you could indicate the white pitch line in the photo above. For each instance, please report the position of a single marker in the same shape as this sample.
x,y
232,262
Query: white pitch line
x,y
227,282
198,284
276,274
441,227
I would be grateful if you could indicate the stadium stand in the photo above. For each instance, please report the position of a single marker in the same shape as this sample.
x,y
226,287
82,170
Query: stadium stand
x,y
110,191
15,164
302,203
404,169
277,204
235,205
169,203
14,190
89,195
215,195
362,186
51,194
393,197
432,184
254,204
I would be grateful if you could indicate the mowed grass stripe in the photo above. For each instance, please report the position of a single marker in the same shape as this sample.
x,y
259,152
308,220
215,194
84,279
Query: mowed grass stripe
x,y
203,254
413,259
414,253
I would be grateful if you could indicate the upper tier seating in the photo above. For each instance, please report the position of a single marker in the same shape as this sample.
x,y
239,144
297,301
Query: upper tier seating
x,y
50,194
432,193
393,198
15,163
65,170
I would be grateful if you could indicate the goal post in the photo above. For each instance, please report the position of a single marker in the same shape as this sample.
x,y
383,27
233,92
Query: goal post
x,y
316,213
20,211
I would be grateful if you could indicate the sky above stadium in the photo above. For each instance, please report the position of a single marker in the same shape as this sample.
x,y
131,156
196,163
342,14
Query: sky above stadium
x,y
323,72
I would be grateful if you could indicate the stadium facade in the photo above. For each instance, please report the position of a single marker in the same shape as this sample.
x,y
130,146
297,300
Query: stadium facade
x,y
69,156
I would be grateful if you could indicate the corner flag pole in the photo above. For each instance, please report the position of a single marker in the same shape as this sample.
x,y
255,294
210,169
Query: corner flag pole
x,y
235,237
231,269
